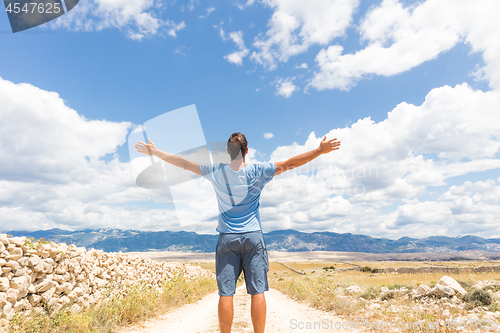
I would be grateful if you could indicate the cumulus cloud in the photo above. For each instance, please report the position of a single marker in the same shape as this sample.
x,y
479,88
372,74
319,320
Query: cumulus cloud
x,y
53,172
138,19
268,135
285,87
471,208
454,132
295,26
400,38
237,56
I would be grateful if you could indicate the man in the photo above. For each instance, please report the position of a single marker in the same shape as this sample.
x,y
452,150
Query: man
x,y
241,244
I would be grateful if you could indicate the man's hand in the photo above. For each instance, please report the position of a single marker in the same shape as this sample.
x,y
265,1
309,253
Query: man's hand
x,y
151,150
324,148
328,146
148,149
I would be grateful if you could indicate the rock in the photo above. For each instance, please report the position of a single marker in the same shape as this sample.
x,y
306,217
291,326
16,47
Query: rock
x,y
31,288
34,260
59,278
60,275
453,284
13,265
8,311
421,290
48,294
20,271
12,295
18,241
43,267
441,291
66,288
446,313
34,299
24,261
383,290
4,284
353,289
75,308
21,305
52,302
20,283
65,300
44,285
16,251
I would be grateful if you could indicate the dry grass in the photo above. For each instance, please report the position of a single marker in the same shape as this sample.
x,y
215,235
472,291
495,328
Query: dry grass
x,y
139,303
324,289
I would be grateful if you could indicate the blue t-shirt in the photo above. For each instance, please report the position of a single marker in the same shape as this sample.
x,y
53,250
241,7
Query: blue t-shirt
x,y
238,194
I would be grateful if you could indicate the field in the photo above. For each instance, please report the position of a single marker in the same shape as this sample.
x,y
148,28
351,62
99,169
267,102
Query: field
x,y
322,279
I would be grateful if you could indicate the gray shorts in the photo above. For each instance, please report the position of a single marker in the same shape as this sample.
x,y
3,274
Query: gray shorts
x,y
241,252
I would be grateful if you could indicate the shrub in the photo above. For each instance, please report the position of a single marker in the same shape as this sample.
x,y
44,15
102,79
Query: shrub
x,y
368,269
370,293
388,295
477,298
467,285
492,287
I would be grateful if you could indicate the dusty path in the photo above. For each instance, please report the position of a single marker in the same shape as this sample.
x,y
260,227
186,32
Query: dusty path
x,y
283,315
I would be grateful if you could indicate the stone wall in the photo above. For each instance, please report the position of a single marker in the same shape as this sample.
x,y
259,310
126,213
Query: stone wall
x,y
431,269
57,275
440,269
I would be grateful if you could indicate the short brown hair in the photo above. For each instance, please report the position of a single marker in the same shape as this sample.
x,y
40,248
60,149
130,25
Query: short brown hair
x,y
237,144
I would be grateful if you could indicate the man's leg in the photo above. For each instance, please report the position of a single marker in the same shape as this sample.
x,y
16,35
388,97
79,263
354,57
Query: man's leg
x,y
226,313
258,313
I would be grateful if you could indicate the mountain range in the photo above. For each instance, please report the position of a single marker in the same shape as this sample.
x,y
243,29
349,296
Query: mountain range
x,y
114,240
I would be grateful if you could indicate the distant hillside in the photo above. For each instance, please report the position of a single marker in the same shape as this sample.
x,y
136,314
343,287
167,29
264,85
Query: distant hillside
x,y
114,240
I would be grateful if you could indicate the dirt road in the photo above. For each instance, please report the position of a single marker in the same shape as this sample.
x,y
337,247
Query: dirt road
x,y
283,315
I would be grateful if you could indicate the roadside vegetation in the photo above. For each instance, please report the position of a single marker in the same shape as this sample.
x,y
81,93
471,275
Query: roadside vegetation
x,y
386,298
138,303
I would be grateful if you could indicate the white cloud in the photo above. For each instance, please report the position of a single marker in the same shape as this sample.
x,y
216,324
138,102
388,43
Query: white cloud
x,y
471,208
268,135
208,12
303,65
192,4
400,38
173,27
138,19
247,4
454,132
285,87
222,33
237,56
52,173
295,26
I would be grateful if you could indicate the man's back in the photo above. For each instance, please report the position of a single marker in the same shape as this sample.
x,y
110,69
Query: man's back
x,y
238,194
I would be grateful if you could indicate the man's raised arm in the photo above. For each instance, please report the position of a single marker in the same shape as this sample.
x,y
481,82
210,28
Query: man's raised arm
x,y
296,161
151,150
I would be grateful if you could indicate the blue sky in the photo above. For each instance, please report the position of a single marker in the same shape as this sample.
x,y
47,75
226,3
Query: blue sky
x,y
411,89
